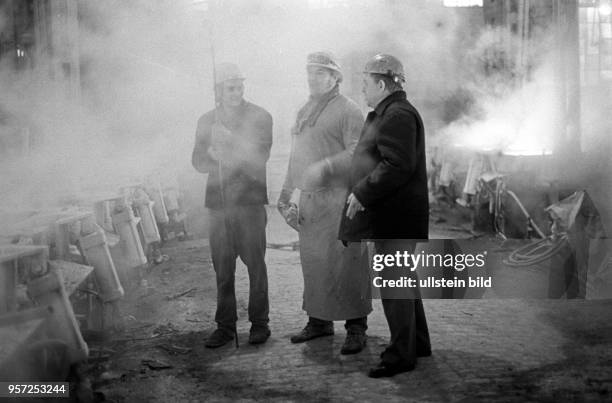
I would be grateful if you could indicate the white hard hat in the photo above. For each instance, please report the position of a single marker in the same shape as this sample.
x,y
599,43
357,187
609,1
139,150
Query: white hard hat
x,y
227,71
386,65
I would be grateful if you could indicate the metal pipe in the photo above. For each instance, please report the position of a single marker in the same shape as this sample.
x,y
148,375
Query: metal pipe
x,y
226,223
526,213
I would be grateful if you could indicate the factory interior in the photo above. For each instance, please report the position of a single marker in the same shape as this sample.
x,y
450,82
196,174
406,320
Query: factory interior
x,y
106,276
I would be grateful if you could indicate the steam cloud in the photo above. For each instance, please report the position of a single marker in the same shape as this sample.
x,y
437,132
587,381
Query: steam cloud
x,y
146,76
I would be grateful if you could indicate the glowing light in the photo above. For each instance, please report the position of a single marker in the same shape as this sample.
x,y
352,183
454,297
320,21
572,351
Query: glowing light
x,y
201,5
526,152
604,9
462,3
319,4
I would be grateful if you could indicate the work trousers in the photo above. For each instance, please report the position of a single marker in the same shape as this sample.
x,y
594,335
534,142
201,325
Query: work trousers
x,y
409,333
239,231
355,326
405,316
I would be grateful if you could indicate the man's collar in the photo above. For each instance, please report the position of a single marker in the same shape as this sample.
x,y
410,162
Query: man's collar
x,y
335,90
394,96
240,108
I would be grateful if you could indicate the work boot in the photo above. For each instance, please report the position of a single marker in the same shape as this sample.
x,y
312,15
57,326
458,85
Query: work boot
x,y
220,337
312,332
383,370
259,334
354,343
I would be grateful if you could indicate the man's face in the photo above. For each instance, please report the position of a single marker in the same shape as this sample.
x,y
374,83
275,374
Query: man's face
x,y
320,80
372,90
232,92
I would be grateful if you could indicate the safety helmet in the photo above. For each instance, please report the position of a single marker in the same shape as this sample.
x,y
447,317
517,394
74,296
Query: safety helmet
x,y
227,71
386,65
323,59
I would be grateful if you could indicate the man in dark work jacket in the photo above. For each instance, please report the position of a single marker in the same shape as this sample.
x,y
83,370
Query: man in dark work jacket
x,y
389,203
233,145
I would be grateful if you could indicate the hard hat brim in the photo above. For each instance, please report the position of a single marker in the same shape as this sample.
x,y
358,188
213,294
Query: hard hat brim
x,y
327,66
229,79
402,79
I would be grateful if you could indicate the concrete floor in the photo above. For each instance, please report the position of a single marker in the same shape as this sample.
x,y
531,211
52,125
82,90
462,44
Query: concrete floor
x,y
487,350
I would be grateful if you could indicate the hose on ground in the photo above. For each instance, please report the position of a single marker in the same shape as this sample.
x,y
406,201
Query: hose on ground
x,y
535,252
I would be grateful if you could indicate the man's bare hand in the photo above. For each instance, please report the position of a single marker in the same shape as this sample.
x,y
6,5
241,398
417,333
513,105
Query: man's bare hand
x,y
354,206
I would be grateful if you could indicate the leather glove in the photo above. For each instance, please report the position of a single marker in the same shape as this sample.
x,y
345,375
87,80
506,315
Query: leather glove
x,y
317,174
220,135
288,210
224,147
221,142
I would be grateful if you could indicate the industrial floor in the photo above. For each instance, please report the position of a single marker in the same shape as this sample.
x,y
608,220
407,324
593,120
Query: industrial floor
x,y
485,350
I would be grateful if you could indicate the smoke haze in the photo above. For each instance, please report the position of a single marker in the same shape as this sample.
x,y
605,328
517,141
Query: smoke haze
x,y
146,76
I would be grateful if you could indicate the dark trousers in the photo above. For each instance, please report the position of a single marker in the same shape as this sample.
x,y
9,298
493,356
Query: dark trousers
x,y
356,325
409,333
404,313
239,231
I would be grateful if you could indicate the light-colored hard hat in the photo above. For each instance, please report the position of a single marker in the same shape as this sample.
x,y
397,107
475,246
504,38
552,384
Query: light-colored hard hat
x,y
227,71
386,65
323,59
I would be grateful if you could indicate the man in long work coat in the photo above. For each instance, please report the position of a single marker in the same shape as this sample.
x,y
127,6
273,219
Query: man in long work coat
x,y
323,139
233,145
389,204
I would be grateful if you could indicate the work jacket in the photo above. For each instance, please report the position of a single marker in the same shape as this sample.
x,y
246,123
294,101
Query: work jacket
x,y
388,175
244,180
333,137
336,282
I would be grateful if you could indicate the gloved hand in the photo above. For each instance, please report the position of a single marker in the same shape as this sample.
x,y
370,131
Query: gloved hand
x,y
220,135
213,153
224,146
288,210
316,174
221,143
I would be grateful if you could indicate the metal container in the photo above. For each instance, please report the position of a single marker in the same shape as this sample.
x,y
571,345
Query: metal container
x,y
95,249
49,290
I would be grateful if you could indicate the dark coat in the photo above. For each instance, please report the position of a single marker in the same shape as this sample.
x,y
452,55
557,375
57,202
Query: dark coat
x,y
244,183
388,175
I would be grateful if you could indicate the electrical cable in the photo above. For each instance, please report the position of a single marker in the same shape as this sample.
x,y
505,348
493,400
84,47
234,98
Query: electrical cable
x,y
535,252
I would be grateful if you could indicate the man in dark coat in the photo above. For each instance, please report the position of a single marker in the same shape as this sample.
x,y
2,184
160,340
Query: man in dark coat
x,y
389,204
232,145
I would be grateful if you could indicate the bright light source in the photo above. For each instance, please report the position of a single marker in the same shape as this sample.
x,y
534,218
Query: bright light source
x,y
200,5
462,3
605,9
320,4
